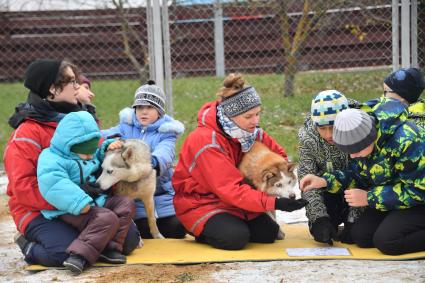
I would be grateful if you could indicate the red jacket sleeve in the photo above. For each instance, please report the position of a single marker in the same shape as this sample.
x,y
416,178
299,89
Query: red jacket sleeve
x,y
217,171
20,160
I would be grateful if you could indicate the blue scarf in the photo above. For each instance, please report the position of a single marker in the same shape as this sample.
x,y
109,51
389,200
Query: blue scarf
x,y
246,139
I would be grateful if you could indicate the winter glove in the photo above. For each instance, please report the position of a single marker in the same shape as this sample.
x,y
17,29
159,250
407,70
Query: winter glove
x,y
92,189
287,204
323,231
345,236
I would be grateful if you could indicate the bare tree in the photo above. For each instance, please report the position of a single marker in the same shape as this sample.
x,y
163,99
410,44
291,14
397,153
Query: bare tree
x,y
298,20
128,33
293,42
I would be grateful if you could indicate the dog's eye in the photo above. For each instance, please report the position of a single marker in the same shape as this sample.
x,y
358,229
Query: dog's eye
x,y
109,171
279,185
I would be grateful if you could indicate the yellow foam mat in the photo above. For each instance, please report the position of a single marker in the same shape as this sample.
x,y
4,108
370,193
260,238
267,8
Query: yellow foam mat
x,y
187,251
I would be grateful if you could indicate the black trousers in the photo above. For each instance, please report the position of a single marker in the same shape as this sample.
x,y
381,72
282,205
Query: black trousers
x,y
393,232
229,232
170,227
336,207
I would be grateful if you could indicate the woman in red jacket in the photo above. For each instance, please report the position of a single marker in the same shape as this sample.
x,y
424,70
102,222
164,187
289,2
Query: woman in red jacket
x,y
211,200
54,87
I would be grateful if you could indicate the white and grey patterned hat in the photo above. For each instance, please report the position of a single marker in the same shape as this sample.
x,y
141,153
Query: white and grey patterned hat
x,y
150,94
354,130
240,102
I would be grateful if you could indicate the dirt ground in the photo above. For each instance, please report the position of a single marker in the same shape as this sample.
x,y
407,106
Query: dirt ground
x,y
12,267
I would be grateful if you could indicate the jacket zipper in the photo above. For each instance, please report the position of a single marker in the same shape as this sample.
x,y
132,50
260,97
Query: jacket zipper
x,y
143,132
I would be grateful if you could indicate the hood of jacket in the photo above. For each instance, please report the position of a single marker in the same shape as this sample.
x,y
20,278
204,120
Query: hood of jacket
x,y
163,125
389,113
207,116
40,110
74,128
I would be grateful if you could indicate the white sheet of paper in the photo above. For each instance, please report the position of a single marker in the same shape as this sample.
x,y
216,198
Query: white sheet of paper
x,y
329,251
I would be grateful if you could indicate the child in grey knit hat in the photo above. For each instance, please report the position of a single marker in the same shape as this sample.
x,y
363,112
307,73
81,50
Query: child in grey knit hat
x,y
146,120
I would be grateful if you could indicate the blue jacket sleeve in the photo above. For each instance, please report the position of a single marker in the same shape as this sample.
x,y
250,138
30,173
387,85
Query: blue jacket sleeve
x,y
164,152
111,132
339,180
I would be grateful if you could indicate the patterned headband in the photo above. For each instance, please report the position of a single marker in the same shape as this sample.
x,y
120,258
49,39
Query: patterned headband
x,y
241,102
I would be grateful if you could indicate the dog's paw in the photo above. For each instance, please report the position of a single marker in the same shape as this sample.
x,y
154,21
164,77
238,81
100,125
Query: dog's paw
x,y
280,235
140,243
157,236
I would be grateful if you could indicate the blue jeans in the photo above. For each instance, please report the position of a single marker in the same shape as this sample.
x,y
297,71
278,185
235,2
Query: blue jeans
x,y
49,240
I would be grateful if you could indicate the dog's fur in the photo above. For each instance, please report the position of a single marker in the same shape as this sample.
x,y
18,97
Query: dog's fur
x,y
130,171
269,172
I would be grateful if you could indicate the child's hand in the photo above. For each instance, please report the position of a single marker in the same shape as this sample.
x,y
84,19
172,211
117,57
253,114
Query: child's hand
x,y
356,197
310,182
85,209
114,145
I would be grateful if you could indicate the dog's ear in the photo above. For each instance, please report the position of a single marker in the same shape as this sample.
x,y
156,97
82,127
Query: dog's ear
x,y
291,167
127,154
266,175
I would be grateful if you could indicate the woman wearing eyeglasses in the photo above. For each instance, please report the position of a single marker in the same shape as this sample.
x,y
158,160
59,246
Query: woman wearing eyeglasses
x,y
53,86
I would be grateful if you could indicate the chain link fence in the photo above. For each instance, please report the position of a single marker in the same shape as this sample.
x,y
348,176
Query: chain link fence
x,y
257,37
95,40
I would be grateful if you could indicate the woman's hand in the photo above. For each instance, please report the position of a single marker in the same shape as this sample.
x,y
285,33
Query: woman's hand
x,y
114,145
356,197
85,209
310,182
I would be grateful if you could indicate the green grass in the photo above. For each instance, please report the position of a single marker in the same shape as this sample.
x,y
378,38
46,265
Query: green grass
x,y
281,117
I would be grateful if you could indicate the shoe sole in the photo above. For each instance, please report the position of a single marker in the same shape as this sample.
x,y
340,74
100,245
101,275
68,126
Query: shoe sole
x,y
111,260
75,269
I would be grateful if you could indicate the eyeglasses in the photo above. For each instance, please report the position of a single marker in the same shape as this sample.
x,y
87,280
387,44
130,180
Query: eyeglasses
x,y
74,83
388,91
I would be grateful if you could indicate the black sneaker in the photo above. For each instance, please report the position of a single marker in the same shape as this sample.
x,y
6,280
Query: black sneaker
x,y
75,263
112,256
21,241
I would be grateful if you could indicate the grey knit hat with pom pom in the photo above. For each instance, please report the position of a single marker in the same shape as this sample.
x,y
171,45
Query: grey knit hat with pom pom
x,y
354,130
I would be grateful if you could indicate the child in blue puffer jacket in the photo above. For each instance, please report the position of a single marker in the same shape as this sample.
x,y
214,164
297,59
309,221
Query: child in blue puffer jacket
x,y
146,120
66,178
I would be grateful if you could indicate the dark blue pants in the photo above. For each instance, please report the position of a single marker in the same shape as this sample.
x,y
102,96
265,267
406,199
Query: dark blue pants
x,y
49,240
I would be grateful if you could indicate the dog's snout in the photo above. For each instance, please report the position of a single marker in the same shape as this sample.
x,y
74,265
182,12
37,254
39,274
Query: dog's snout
x,y
109,171
292,196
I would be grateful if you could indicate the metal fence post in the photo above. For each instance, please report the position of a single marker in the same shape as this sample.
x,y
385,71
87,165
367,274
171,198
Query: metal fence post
x,y
167,58
218,39
395,35
414,32
150,40
157,39
405,33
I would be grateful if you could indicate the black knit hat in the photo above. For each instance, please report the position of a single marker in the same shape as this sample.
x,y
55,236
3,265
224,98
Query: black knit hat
x,y
40,75
408,83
